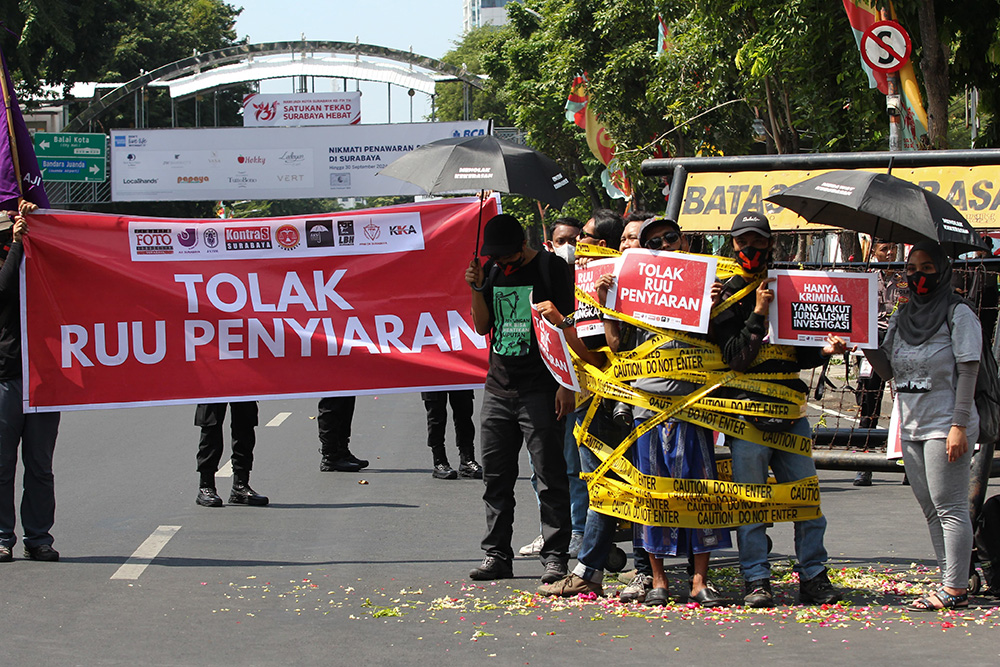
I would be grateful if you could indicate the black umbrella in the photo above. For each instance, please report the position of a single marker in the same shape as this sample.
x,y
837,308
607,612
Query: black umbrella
x,y
882,206
474,164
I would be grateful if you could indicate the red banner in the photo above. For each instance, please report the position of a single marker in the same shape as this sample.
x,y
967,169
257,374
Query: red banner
x,y
554,351
121,310
665,289
810,305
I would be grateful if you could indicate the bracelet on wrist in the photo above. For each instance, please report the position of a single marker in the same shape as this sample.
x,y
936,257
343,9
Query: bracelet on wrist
x,y
481,288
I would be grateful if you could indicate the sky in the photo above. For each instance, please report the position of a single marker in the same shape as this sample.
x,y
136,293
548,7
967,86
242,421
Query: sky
x,y
429,26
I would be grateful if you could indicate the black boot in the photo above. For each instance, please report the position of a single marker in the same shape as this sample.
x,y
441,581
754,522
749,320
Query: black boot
x,y
242,494
339,458
468,468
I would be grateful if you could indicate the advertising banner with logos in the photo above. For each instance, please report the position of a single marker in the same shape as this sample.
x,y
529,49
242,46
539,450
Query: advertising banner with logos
x,y
132,311
712,200
268,162
301,109
666,289
811,305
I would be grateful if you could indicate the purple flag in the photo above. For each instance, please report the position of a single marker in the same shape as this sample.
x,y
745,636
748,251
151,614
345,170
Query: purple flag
x,y
31,176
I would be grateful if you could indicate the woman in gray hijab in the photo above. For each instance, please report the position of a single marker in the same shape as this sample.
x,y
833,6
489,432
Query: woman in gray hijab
x,y
932,350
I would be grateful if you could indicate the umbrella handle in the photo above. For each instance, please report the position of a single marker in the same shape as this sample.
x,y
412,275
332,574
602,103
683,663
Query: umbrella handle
x,y
479,225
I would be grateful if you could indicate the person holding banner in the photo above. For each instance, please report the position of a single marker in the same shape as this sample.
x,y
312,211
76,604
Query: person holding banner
x,y
932,349
739,330
522,403
34,432
243,421
679,450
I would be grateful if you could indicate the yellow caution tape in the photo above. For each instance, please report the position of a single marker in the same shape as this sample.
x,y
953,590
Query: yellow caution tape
x,y
618,489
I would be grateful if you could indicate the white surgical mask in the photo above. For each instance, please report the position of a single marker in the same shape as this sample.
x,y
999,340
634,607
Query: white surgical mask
x,y
568,252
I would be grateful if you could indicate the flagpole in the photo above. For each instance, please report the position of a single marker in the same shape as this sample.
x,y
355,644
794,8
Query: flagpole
x,y
10,125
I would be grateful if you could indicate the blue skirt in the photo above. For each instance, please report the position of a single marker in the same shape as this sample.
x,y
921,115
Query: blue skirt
x,y
678,450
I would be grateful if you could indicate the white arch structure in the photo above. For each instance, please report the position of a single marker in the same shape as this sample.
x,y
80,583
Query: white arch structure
x,y
218,70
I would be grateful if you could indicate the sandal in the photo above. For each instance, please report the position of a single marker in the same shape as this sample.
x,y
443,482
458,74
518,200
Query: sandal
x,y
658,597
709,597
947,600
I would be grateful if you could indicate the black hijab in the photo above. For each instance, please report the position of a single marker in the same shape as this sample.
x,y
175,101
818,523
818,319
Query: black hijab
x,y
921,316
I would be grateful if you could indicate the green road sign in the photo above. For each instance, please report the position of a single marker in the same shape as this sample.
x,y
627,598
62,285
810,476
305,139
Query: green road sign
x,y
67,156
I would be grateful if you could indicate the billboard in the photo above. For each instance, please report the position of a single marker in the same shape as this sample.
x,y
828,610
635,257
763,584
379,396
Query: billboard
x,y
301,109
268,162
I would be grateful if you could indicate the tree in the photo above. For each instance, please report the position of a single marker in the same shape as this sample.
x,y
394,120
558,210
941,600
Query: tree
x,y
451,99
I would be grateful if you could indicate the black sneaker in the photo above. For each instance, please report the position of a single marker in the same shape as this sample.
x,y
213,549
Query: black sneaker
x,y
758,594
340,464
818,590
242,494
43,552
554,571
863,478
207,497
5,554
444,471
492,568
470,470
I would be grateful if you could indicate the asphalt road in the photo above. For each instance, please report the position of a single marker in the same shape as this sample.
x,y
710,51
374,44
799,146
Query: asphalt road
x,y
372,567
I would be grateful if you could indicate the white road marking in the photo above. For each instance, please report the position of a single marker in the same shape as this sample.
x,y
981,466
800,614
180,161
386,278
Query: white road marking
x,y
145,554
226,470
816,406
278,419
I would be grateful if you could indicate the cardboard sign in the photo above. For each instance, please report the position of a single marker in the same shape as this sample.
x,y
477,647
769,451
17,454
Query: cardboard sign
x,y
554,351
588,321
810,305
666,289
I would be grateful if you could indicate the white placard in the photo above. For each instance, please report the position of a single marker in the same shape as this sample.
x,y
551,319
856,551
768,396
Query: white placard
x,y
204,164
301,109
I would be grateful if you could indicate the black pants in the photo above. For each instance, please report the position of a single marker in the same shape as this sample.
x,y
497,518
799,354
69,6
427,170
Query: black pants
x,y
462,406
506,424
334,420
243,421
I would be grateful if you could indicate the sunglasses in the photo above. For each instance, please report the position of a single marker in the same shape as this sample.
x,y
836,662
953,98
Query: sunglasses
x,y
584,236
657,242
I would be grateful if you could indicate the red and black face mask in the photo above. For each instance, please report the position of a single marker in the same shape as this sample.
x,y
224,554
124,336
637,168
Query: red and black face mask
x,y
752,259
922,283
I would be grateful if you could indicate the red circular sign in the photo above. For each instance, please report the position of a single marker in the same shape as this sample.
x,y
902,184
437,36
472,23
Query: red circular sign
x,y
885,46
287,236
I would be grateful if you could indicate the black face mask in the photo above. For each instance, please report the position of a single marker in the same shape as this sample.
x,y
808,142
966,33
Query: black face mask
x,y
922,283
511,267
752,259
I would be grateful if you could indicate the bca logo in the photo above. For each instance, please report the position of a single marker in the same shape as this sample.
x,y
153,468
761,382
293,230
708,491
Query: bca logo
x,y
400,230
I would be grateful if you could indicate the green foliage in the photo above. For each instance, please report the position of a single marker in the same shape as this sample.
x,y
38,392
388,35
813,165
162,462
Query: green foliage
x,y
450,97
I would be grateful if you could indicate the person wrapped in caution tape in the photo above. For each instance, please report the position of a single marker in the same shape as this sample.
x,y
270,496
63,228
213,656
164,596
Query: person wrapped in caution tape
x,y
675,449
739,329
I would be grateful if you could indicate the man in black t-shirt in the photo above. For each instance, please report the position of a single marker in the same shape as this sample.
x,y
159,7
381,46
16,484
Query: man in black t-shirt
x,y
522,401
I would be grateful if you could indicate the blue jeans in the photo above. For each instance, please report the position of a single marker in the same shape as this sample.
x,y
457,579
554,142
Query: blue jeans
x,y
578,498
750,463
600,529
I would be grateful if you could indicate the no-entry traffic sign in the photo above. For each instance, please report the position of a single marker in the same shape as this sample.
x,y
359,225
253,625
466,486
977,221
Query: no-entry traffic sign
x,y
885,46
